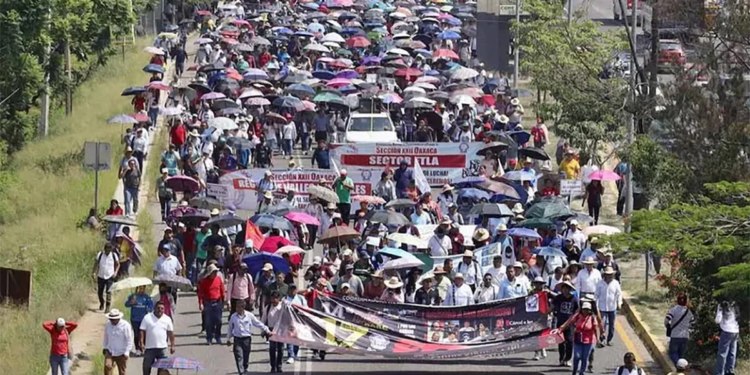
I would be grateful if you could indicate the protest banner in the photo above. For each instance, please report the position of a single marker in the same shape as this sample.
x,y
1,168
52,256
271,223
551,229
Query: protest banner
x,y
239,189
408,331
441,163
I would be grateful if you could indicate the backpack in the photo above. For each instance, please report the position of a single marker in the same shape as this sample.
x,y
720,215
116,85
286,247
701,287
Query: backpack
x,y
113,254
621,369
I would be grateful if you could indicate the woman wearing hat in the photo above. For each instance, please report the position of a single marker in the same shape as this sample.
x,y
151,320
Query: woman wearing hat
x,y
394,291
565,304
584,324
445,199
60,351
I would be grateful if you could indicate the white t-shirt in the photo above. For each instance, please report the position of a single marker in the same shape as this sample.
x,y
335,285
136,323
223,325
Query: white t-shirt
x,y
156,330
106,269
167,266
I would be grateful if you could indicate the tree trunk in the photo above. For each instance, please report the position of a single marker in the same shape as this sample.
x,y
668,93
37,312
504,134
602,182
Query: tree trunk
x,y
653,81
69,86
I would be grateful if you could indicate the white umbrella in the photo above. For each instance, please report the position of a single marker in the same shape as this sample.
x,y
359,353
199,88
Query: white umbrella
x,y
332,45
601,229
401,35
464,73
404,262
463,100
333,37
397,15
425,85
131,283
316,48
290,249
153,50
251,93
398,51
423,100
415,89
222,123
170,111
408,239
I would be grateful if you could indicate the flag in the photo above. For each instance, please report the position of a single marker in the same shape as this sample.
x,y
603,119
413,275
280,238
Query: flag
x,y
420,179
335,166
253,237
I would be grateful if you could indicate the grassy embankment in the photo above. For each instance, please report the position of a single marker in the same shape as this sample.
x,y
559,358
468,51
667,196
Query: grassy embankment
x,y
44,194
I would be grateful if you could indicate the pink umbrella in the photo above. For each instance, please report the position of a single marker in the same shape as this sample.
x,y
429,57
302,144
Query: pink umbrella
x,y
339,82
302,218
309,106
158,85
182,183
604,176
257,101
369,199
213,95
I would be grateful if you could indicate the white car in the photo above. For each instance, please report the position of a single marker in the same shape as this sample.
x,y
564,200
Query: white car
x,y
370,128
628,6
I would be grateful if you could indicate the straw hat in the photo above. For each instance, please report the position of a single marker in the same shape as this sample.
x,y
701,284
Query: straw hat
x,y
439,270
468,253
589,260
393,283
515,101
481,234
214,212
609,271
447,188
517,209
568,284
268,267
458,276
114,314
378,274
331,206
502,228
503,119
212,268
268,195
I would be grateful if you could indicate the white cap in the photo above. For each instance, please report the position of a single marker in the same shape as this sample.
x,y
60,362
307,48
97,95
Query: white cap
x,y
345,285
517,265
268,267
317,260
573,222
682,364
347,252
373,241
60,322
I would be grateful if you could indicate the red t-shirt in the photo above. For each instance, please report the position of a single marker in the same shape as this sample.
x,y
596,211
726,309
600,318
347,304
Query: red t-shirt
x,y
585,329
59,338
211,289
538,134
139,103
116,211
178,135
550,191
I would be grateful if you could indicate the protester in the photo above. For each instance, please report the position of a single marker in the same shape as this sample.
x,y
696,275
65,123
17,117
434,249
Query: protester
x,y
585,325
240,329
270,318
157,334
459,294
727,314
211,297
629,367
678,322
118,343
140,304
105,270
609,299
60,354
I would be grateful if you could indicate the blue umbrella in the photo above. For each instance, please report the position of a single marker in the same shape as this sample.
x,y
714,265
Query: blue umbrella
x,y
520,136
271,221
323,74
300,89
449,35
423,52
432,73
153,68
453,21
350,30
256,261
284,31
548,251
312,6
347,74
394,253
474,194
316,28
289,102
348,89
304,33
523,232
255,75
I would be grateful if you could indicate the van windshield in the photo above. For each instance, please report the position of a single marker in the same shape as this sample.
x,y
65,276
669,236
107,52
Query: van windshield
x,y
370,124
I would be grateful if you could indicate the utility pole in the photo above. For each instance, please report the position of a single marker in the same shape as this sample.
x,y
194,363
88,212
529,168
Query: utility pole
x,y
43,128
69,88
516,48
631,125
570,12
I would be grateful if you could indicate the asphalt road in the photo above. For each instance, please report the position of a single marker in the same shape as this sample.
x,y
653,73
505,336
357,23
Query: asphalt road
x,y
219,359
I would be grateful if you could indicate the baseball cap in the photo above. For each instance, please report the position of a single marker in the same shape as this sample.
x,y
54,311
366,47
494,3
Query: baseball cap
x,y
60,322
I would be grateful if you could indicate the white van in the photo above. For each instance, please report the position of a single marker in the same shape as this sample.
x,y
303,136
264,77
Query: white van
x,y
370,128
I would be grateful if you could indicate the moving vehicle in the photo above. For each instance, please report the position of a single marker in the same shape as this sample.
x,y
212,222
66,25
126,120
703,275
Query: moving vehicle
x,y
617,10
671,54
370,128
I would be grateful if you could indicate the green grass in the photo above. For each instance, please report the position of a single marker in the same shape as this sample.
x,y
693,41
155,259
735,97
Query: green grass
x,y
44,195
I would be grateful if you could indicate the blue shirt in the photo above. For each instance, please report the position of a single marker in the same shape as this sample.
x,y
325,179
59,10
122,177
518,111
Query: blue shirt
x,y
512,289
322,157
143,305
321,123
402,178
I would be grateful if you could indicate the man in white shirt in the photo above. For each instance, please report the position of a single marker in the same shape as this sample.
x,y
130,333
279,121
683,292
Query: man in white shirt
x,y
105,270
270,318
118,342
510,287
240,328
288,136
471,270
574,233
521,275
506,245
420,216
629,367
497,270
588,278
459,294
488,291
440,244
166,264
156,329
608,300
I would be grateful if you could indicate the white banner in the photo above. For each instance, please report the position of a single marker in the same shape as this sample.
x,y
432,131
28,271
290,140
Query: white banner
x,y
242,190
442,163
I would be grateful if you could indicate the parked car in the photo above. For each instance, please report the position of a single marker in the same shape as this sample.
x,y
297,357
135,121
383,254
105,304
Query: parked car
x,y
370,128
671,55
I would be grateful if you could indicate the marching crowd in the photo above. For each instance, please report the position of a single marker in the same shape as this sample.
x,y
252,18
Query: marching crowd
x,y
271,76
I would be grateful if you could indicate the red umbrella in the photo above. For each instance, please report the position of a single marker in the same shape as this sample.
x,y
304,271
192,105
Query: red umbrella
x,y
203,13
183,183
338,64
407,72
445,53
274,243
158,85
229,34
230,41
358,42
140,117
487,100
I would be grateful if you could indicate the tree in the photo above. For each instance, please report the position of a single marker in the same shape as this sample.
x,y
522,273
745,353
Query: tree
x,y
568,61
708,244
658,173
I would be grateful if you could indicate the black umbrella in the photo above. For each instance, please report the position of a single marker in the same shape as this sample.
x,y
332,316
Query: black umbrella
x,y
239,143
135,90
194,218
491,209
202,87
533,153
225,221
210,68
224,103
205,203
495,147
439,95
415,104
272,221
388,218
294,78
243,47
400,203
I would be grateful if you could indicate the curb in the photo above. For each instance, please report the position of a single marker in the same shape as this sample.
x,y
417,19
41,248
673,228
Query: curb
x,y
653,345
